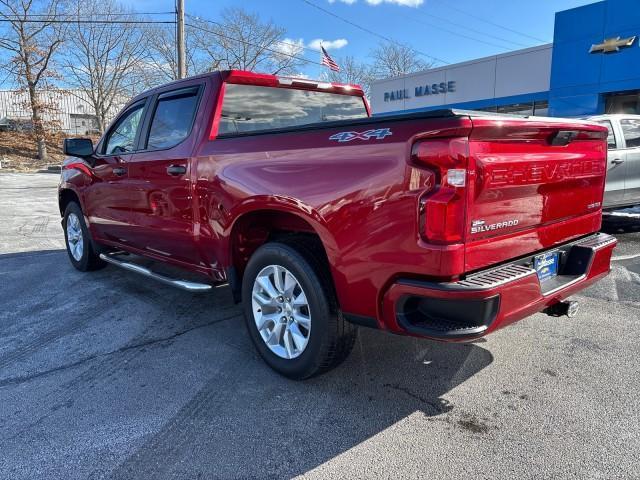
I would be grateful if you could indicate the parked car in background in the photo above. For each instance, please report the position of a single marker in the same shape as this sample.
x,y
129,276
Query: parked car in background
x,y
16,124
446,225
622,187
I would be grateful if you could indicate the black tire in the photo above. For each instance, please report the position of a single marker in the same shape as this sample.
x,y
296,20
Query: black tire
x,y
331,337
90,259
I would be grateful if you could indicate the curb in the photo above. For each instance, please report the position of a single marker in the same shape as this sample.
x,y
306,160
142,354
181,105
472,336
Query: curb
x,y
51,169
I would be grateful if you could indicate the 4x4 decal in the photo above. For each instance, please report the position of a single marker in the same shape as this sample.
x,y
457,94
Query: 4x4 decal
x,y
378,134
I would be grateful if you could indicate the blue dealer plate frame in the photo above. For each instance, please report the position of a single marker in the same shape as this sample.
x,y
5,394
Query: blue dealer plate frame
x,y
546,265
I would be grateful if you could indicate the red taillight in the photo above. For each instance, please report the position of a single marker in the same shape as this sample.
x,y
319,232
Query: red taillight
x,y
442,211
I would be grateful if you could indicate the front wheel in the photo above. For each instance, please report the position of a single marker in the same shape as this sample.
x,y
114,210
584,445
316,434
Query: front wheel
x,y
78,240
291,311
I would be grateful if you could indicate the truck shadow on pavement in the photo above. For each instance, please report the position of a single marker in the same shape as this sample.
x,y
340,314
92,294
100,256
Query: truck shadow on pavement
x,y
248,422
169,384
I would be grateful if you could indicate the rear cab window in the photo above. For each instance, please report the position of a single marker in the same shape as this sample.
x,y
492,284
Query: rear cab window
x,y
631,131
251,108
172,118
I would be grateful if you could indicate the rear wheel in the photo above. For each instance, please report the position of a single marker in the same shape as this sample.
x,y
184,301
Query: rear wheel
x,y
291,311
77,238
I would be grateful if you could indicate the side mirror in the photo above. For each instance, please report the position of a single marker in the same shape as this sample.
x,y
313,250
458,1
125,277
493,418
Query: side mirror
x,y
78,147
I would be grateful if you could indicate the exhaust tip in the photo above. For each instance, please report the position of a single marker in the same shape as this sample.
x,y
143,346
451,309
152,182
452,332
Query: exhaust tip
x,y
572,308
560,309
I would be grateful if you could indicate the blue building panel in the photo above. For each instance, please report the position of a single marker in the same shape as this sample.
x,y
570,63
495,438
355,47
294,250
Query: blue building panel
x,y
572,65
580,78
621,15
581,23
576,106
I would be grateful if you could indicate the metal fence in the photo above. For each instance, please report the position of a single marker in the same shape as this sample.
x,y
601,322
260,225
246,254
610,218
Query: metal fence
x,y
67,110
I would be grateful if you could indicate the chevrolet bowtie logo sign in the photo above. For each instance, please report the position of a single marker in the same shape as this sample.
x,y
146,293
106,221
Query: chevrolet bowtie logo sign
x,y
612,45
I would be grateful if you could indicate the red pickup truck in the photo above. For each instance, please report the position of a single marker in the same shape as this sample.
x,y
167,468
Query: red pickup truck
x,y
446,225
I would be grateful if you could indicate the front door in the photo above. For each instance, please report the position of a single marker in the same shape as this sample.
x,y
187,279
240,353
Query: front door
x,y
107,199
162,215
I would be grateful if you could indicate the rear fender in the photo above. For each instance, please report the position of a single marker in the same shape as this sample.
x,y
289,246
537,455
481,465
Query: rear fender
x,y
310,221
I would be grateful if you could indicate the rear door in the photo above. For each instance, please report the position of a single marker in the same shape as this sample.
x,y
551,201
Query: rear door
x,y
616,166
631,132
162,214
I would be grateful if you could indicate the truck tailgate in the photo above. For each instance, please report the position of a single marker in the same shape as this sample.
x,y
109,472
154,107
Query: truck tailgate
x,y
532,184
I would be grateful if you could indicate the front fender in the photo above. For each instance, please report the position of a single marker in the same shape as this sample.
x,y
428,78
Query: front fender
x,y
75,177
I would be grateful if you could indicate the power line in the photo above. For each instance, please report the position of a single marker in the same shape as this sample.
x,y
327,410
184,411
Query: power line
x,y
469,29
371,32
475,39
448,4
279,52
105,22
172,22
69,15
289,44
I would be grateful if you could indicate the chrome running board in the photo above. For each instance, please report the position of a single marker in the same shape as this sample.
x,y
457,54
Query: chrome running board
x,y
189,286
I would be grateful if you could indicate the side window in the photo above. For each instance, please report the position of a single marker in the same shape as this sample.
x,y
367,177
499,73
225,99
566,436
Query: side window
x,y
611,138
173,118
121,138
631,131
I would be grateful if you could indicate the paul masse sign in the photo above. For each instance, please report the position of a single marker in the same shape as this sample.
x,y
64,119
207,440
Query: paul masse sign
x,y
421,91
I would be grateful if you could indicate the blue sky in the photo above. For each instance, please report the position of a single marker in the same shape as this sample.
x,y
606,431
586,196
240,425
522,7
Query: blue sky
x,y
446,29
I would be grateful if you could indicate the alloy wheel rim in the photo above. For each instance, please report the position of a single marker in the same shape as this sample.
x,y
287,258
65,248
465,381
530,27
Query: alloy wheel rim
x,y
74,237
281,311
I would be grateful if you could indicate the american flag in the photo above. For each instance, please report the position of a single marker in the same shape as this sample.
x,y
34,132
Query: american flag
x,y
328,61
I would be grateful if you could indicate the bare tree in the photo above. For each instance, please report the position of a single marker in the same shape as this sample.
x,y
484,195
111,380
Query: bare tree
x,y
5,73
31,47
162,64
101,58
392,60
243,41
352,72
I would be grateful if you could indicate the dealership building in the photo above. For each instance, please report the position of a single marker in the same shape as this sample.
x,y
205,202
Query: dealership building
x,y
592,67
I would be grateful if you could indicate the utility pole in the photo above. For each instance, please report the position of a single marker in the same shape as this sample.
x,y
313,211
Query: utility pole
x,y
182,67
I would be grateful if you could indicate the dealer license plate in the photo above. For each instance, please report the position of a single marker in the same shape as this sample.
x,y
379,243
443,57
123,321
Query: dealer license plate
x,y
546,265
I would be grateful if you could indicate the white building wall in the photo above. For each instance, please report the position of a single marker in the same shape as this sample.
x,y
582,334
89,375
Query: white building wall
x,y
526,71
514,73
69,108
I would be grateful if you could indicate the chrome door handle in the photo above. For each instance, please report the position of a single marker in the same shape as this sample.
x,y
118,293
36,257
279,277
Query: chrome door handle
x,y
119,171
617,161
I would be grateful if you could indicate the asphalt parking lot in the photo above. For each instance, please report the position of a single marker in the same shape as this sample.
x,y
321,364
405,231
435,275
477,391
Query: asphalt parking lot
x,y
108,375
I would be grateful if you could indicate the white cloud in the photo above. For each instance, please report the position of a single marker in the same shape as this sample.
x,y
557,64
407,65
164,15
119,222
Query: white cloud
x,y
404,3
290,46
328,44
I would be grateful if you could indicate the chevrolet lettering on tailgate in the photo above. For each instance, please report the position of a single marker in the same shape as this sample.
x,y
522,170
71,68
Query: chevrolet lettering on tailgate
x,y
535,173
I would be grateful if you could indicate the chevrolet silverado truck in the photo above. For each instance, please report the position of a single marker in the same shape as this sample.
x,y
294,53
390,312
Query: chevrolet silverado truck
x,y
622,188
445,225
